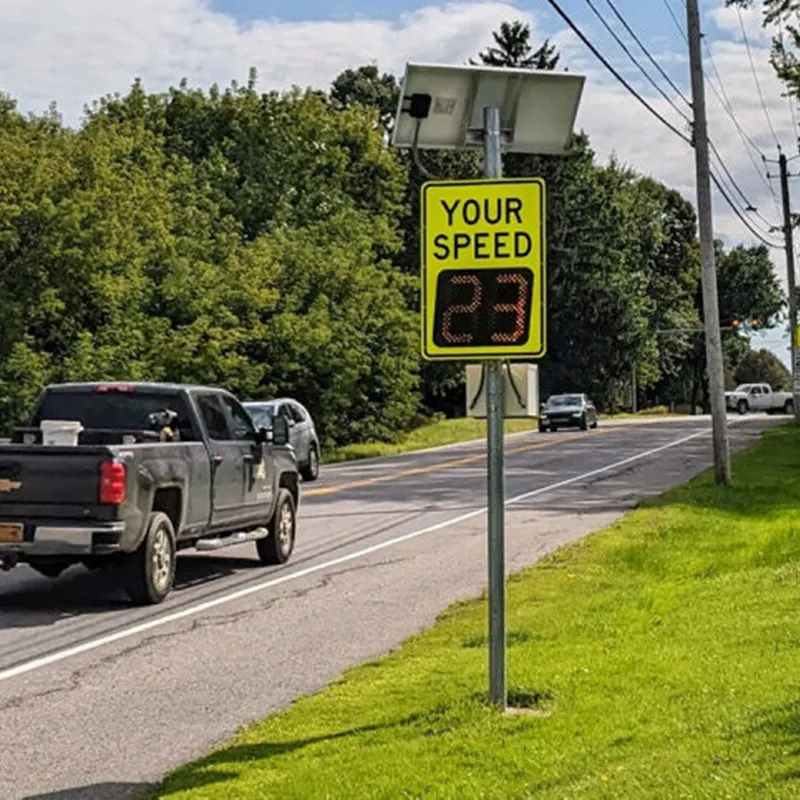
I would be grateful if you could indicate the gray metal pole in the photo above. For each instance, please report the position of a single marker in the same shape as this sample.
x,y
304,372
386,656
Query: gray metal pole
x,y
714,363
790,280
493,168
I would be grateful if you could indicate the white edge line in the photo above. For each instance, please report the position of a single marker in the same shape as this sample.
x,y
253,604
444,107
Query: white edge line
x,y
134,630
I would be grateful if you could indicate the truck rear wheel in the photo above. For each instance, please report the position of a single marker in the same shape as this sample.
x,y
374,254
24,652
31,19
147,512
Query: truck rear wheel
x,y
277,547
789,407
741,406
150,571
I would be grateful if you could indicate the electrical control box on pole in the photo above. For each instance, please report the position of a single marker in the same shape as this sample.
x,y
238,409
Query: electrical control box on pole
x,y
484,250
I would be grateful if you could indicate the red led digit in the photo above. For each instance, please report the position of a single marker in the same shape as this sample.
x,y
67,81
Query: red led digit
x,y
463,308
518,309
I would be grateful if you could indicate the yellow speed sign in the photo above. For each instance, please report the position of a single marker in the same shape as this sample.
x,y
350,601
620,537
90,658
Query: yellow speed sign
x,y
483,269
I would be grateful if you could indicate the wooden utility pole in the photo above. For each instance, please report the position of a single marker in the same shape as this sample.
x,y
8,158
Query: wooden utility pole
x,y
714,362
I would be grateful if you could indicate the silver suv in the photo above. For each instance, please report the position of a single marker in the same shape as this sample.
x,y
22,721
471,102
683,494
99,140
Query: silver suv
x,y
302,433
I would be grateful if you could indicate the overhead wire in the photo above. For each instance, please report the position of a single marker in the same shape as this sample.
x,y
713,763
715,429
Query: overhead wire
x,y
755,77
760,235
664,74
749,207
636,63
727,106
604,61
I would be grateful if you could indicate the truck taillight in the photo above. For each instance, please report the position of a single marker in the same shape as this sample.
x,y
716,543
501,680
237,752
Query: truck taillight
x,y
112,483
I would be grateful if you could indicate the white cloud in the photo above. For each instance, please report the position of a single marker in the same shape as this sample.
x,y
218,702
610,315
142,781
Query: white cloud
x,y
74,51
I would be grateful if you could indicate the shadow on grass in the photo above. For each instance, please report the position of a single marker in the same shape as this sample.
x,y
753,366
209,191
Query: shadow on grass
x,y
212,770
782,727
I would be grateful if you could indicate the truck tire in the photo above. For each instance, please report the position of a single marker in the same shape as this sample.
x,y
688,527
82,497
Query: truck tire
x,y
742,406
788,407
310,471
150,570
277,547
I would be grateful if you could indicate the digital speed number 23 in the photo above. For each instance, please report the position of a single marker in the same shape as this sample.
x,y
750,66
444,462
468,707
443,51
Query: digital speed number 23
x,y
482,307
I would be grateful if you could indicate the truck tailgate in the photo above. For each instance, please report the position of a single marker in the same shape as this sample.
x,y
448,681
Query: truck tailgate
x,y
41,479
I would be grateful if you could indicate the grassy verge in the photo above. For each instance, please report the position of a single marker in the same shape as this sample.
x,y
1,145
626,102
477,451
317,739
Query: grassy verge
x,y
435,434
447,431
662,654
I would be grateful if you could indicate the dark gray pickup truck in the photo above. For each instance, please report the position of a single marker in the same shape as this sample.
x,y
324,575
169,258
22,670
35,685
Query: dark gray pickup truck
x,y
156,468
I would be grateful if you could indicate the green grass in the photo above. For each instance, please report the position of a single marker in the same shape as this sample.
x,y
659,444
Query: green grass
x,y
663,653
448,431
654,411
434,434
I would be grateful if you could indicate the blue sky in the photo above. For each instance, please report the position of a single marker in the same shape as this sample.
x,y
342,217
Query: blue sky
x,y
639,12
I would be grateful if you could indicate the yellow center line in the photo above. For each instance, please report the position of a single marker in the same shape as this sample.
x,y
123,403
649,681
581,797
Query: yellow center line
x,y
458,462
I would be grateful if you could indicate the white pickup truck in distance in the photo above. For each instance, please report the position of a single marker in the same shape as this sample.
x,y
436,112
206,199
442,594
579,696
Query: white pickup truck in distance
x,y
758,397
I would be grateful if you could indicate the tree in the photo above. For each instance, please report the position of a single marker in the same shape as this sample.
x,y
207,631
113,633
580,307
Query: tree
x,y
367,87
513,48
748,286
228,238
762,366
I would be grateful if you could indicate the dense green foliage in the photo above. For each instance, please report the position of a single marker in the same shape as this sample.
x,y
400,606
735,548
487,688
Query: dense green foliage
x,y
228,238
762,366
269,243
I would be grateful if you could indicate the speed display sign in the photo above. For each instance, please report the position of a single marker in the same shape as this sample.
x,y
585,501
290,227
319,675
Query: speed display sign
x,y
483,269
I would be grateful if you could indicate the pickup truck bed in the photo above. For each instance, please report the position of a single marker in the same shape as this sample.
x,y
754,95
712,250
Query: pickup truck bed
x,y
206,479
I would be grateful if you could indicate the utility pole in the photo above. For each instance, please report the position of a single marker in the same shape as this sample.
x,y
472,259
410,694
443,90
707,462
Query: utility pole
x,y
790,279
714,363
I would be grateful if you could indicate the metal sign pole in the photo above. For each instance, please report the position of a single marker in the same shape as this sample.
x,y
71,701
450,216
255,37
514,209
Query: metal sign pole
x,y
493,168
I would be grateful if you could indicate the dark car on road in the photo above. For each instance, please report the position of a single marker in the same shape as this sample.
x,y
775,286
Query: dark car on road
x,y
568,411
151,469
302,432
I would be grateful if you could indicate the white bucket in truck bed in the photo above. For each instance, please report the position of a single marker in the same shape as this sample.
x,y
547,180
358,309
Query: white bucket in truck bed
x,y
60,432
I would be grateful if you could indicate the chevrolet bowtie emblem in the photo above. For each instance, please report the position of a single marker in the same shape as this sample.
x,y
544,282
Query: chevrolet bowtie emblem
x,y
9,486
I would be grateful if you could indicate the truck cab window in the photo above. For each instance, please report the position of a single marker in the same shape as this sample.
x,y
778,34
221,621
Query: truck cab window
x,y
213,418
238,420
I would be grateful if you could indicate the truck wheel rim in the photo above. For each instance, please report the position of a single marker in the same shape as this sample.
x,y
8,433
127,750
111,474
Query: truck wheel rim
x,y
162,560
285,527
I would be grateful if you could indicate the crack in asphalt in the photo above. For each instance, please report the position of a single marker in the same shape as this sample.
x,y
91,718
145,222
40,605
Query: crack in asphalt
x,y
75,680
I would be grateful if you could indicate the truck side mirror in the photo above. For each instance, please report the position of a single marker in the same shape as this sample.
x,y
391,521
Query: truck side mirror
x,y
262,436
280,430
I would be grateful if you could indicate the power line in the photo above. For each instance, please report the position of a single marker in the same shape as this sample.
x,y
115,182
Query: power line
x,y
630,55
675,20
748,205
560,11
579,33
655,63
727,106
741,216
755,77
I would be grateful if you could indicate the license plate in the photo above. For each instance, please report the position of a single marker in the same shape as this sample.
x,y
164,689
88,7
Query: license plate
x,y
10,533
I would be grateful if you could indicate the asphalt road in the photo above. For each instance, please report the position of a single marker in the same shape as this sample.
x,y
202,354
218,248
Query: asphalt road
x,y
99,699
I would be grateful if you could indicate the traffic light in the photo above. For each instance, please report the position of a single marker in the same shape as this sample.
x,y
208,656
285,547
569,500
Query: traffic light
x,y
755,323
736,323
